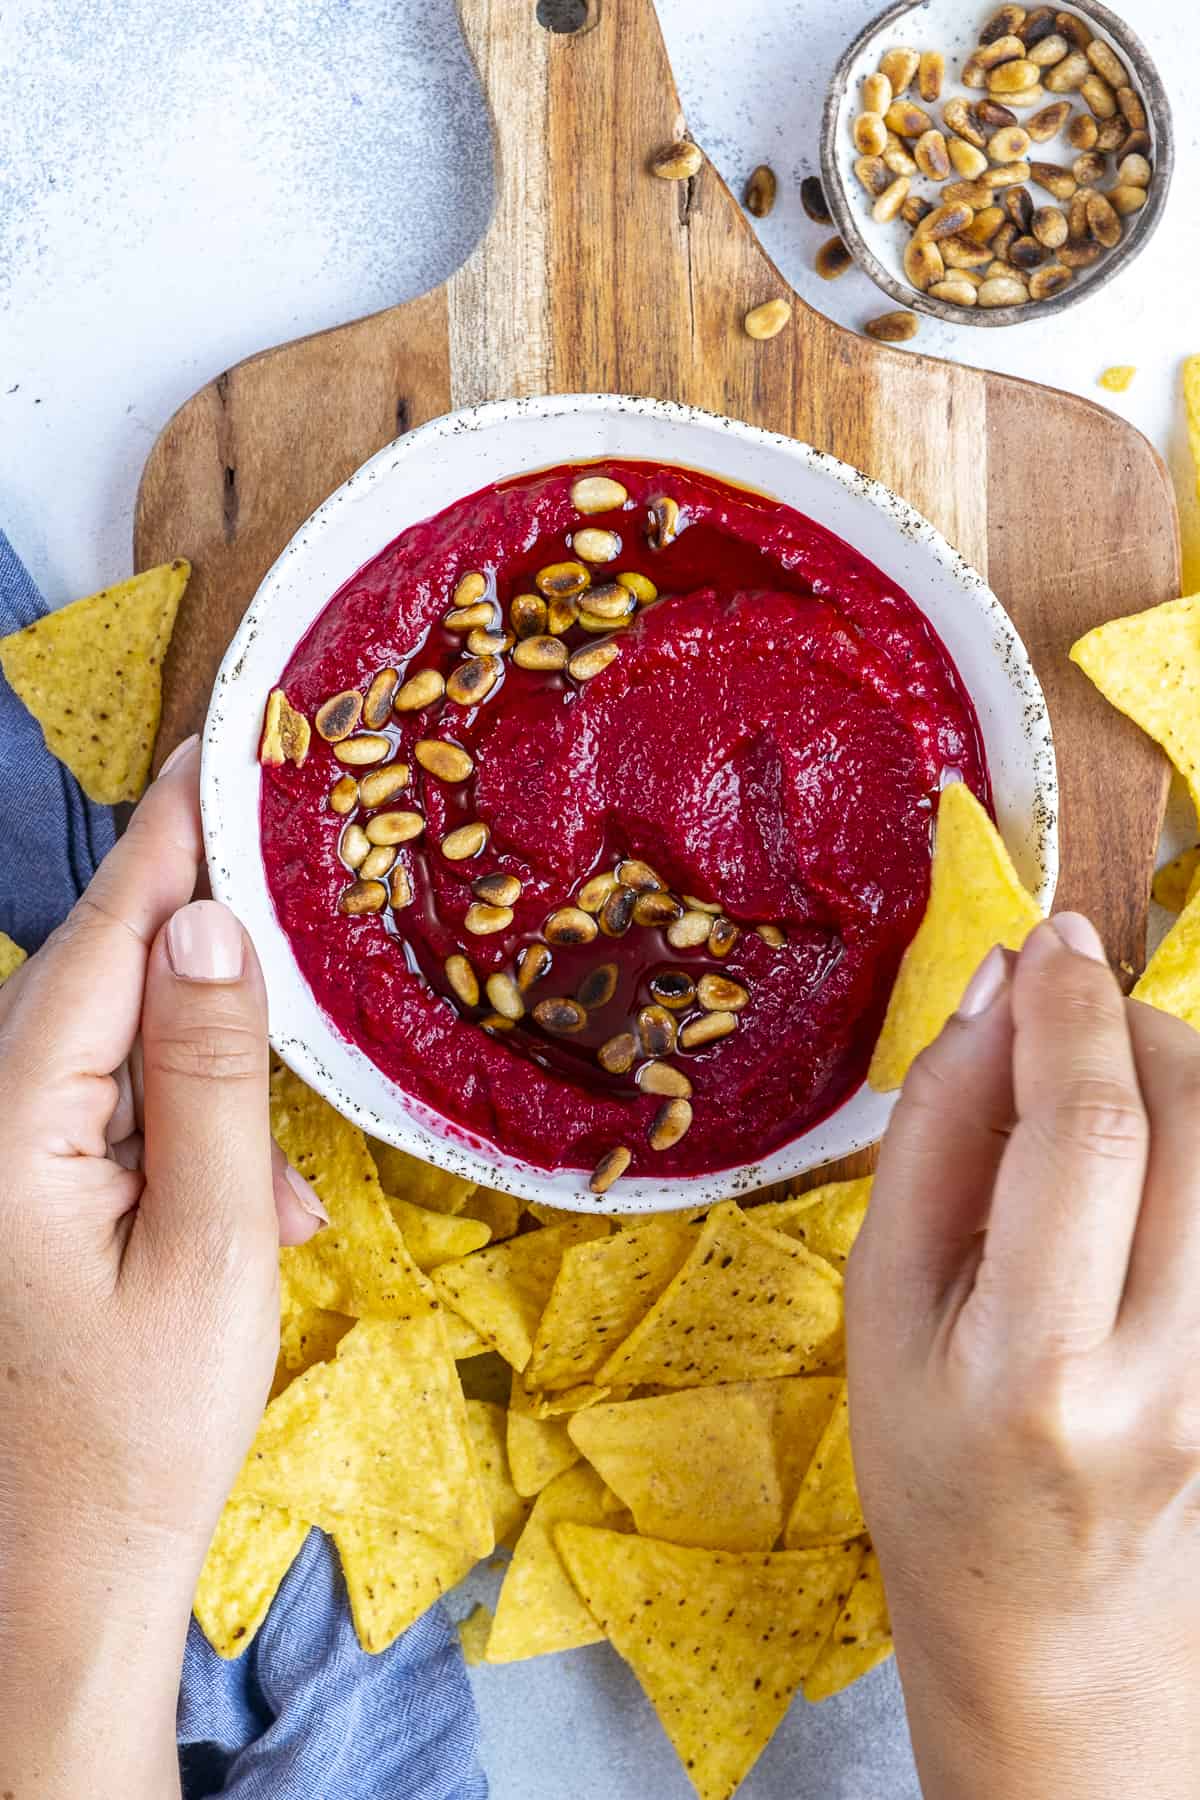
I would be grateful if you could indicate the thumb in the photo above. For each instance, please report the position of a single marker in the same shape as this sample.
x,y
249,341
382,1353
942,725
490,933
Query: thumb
x,y
207,1155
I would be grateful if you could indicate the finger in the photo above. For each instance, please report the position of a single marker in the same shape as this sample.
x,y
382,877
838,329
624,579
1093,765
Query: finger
x,y
938,1162
297,1206
1070,1181
207,1152
1163,1289
77,1011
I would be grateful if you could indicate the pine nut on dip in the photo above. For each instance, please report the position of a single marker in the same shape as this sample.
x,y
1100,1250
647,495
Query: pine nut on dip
x,y
653,858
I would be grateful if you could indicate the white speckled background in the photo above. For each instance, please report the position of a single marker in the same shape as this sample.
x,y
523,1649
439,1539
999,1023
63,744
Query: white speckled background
x,y
181,186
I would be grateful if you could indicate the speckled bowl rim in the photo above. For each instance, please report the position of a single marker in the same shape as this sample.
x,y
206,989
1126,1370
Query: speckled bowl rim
x,y
230,741
1133,242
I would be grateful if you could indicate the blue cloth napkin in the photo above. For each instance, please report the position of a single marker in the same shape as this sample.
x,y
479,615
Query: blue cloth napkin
x,y
51,835
303,1714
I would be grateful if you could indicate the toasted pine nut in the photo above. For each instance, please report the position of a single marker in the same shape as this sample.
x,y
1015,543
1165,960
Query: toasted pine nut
x,y
610,1168
932,157
767,320
336,717
1003,290
931,72
678,161
1107,63
899,66
464,983
955,289
893,327
419,691
598,494
465,841
1049,281
360,751
383,784
394,827
877,93
343,796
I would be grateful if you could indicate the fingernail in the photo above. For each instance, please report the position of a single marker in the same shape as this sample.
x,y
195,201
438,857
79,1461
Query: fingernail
x,y
984,984
204,943
187,748
1079,935
305,1194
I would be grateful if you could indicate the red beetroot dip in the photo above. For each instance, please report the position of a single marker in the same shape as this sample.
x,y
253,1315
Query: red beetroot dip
x,y
770,738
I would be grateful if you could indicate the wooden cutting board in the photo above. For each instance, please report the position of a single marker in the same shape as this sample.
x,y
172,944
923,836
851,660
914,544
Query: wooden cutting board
x,y
595,275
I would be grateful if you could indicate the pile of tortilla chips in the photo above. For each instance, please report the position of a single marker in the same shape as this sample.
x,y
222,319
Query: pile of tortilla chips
x,y
650,1413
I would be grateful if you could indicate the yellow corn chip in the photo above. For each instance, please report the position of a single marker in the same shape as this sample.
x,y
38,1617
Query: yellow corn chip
x,y
91,675
827,1509
601,1292
411,1179
1174,881
569,1400
1171,980
473,1633
720,1641
538,1449
861,1636
378,1433
1148,666
799,1408
462,1340
307,1335
538,1610
1189,501
252,1550
359,1263
434,1237
509,1509
826,1220
484,1377
286,733
393,1573
11,957
747,1304
975,902
1119,378
695,1468
502,1291
501,1213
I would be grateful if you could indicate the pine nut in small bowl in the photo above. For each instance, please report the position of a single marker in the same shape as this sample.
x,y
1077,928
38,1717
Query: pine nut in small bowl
x,y
993,164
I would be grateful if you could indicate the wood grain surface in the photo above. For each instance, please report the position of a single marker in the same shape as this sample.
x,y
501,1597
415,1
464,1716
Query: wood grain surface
x,y
594,275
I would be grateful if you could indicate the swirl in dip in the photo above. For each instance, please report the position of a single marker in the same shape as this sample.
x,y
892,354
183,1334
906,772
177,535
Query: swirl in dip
x,y
733,798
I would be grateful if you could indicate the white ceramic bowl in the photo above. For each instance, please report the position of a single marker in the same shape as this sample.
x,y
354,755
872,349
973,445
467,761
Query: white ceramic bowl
x,y
454,456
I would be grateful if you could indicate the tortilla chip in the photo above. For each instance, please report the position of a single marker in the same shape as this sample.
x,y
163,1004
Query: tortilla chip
x,y
500,1212
502,1291
473,1633
538,1449
695,1468
359,1264
286,733
827,1509
91,675
747,1304
1119,378
1176,880
11,957
538,1610
976,901
252,1550
570,1400
800,1409
1171,980
484,1377
1148,667
411,1179
509,1509
602,1290
434,1237
1189,497
307,1335
719,1641
826,1220
393,1573
861,1636
462,1340
380,1432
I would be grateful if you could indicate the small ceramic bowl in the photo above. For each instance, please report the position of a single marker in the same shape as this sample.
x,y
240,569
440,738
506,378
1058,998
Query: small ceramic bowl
x,y
454,456
952,28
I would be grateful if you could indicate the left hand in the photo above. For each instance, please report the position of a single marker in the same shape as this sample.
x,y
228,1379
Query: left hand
x,y
139,1306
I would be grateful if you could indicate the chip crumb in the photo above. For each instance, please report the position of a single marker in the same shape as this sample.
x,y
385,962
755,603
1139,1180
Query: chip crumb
x,y
473,1634
11,957
1118,378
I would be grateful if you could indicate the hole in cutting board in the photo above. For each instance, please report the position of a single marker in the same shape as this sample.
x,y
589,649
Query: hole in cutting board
x,y
563,16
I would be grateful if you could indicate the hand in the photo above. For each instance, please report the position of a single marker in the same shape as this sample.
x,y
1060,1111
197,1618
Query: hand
x,y
141,1210
1024,1360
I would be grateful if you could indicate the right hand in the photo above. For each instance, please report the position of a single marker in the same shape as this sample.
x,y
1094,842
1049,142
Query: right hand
x,y
1024,1362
